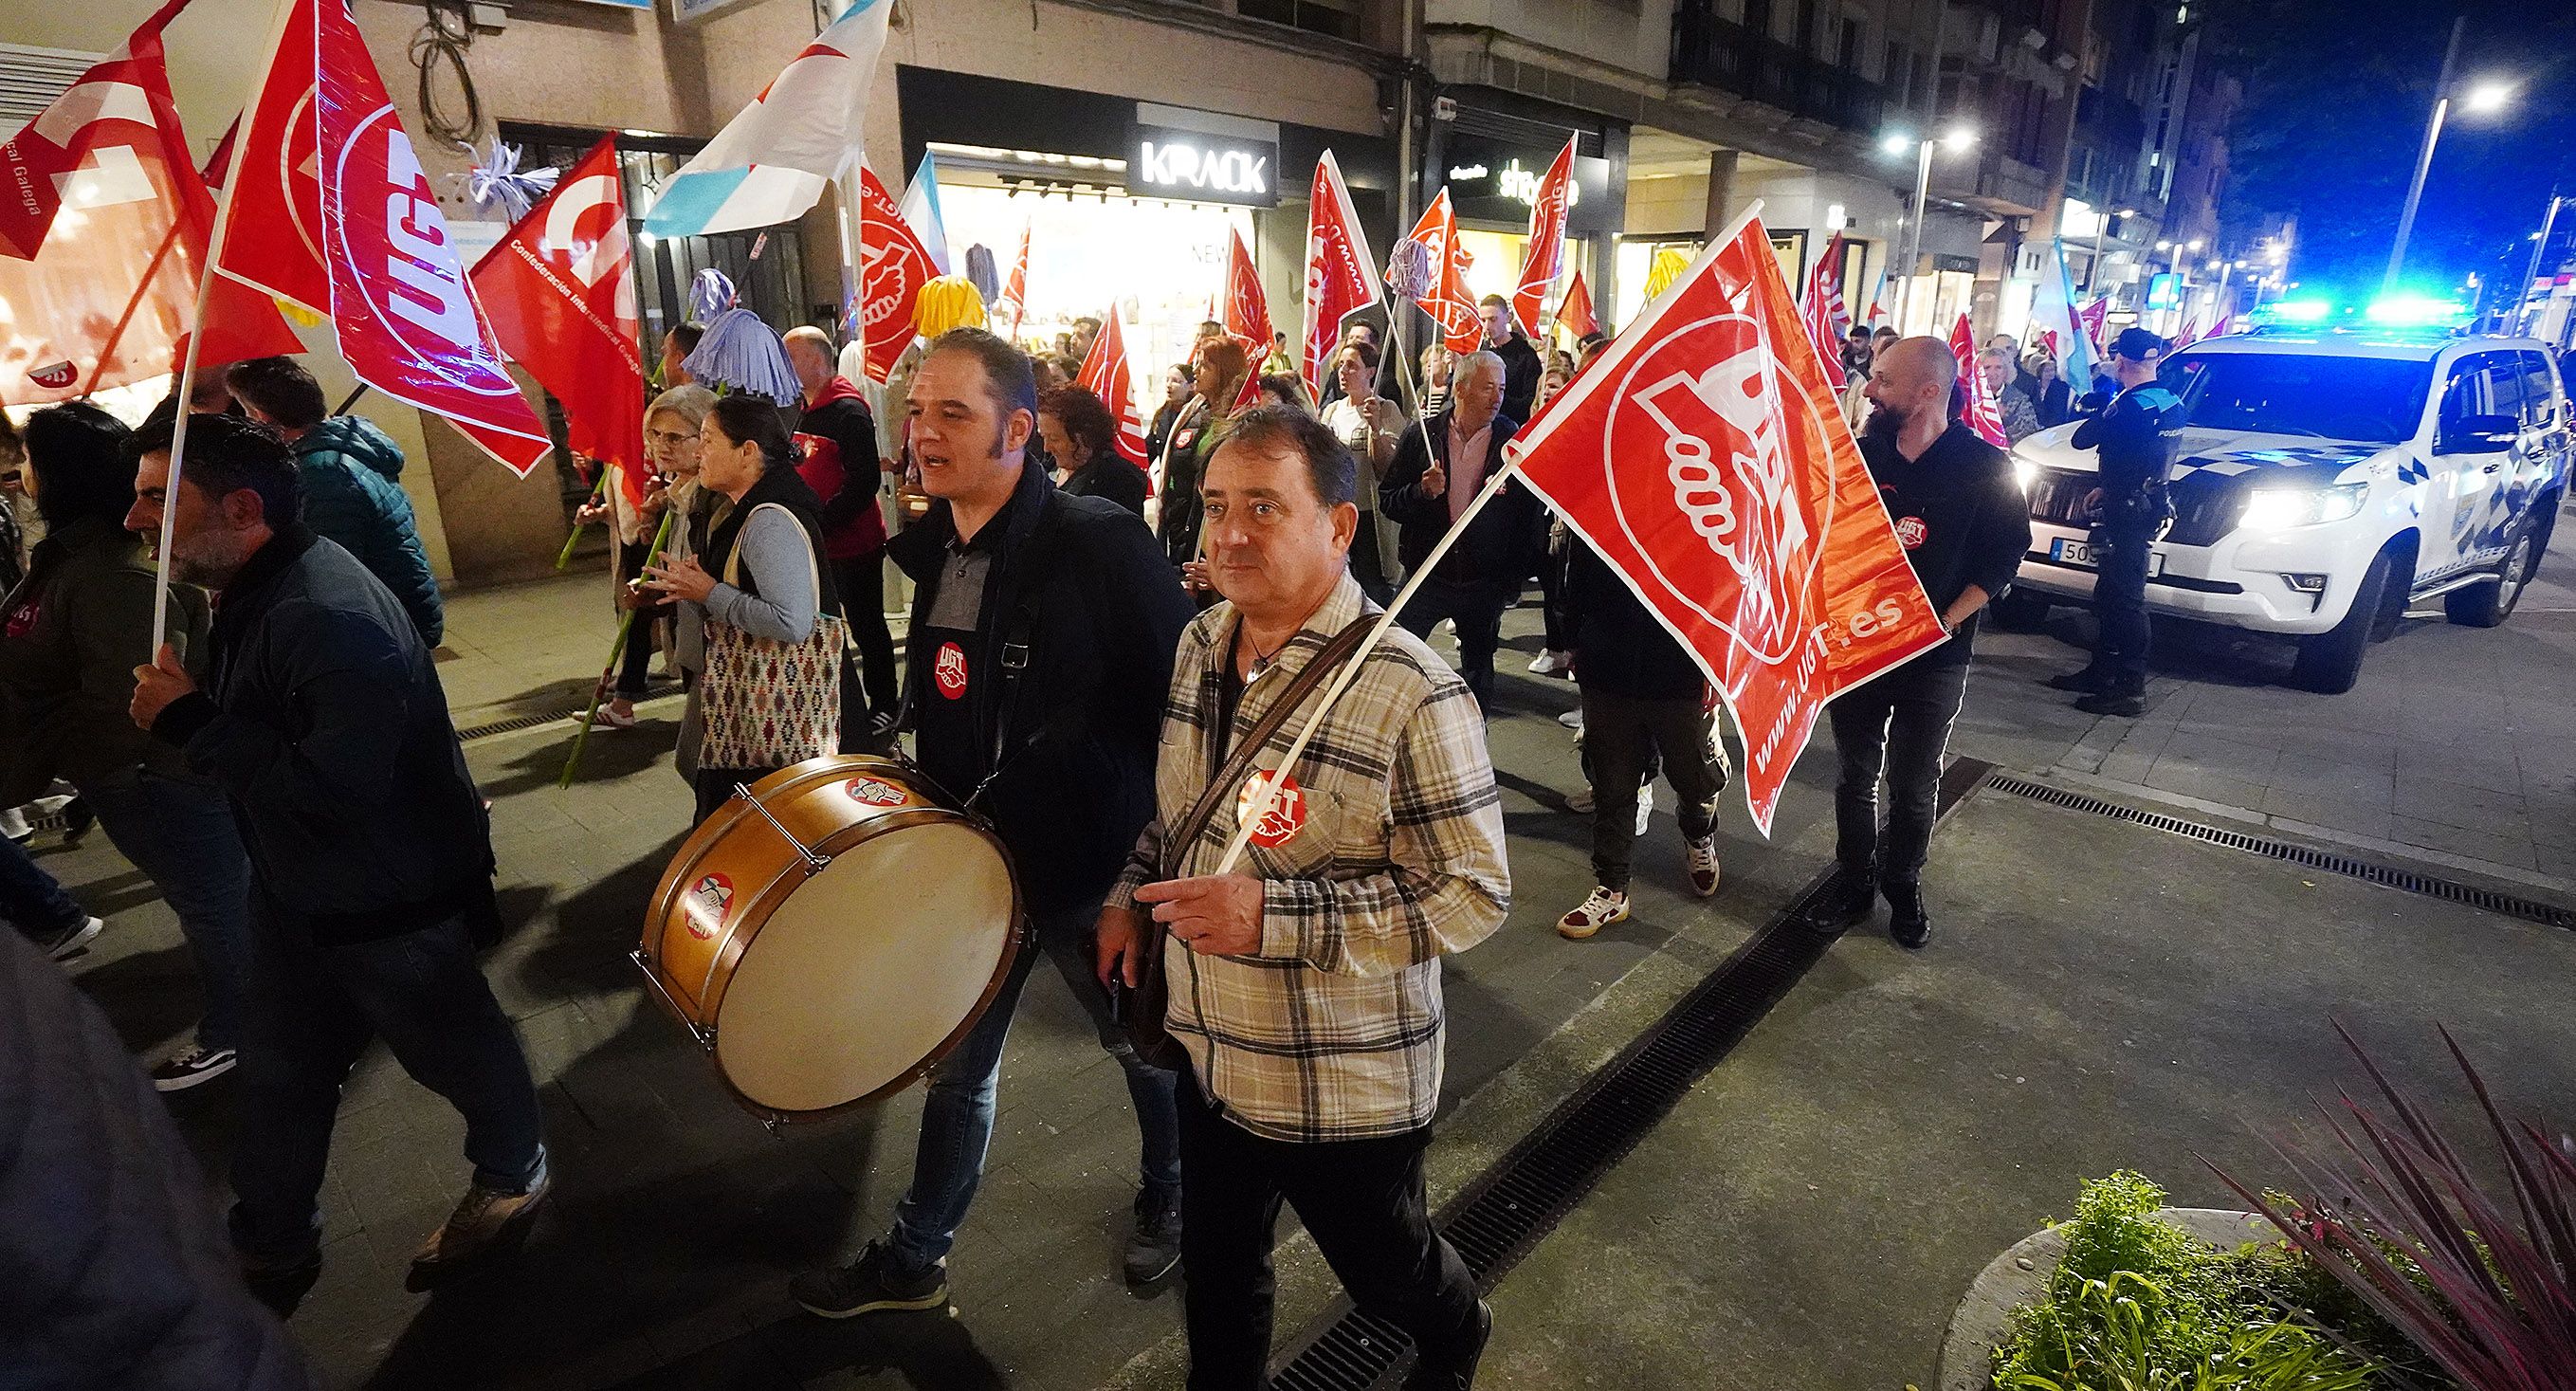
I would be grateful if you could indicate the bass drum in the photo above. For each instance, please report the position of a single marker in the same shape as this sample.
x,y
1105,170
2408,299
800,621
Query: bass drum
x,y
832,938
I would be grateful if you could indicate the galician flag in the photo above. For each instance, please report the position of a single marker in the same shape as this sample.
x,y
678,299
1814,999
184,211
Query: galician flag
x,y
2054,321
921,211
773,160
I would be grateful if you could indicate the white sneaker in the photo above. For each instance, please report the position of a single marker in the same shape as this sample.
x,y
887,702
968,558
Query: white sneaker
x,y
1551,663
1571,719
1600,908
72,940
13,824
1702,857
1645,807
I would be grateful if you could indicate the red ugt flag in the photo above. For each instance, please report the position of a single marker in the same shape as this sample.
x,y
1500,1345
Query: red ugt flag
x,y
1705,458
1014,301
560,293
1447,301
1107,374
1247,309
1341,279
334,212
1545,260
1980,413
104,222
895,267
1823,311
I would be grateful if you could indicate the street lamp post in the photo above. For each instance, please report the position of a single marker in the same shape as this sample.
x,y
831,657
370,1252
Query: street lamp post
x,y
2485,97
1957,139
2101,224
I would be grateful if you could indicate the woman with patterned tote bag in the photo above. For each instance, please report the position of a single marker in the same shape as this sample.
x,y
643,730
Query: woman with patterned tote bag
x,y
771,626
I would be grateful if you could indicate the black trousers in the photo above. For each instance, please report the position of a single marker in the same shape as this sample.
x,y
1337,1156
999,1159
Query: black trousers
x,y
1622,738
2120,605
1365,562
1477,607
860,582
1896,727
636,660
1362,1201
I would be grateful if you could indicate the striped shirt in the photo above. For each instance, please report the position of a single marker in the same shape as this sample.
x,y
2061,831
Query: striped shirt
x,y
1389,856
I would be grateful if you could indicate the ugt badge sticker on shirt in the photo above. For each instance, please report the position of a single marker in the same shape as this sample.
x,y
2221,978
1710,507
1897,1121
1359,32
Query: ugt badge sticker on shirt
x,y
1910,532
1286,815
949,671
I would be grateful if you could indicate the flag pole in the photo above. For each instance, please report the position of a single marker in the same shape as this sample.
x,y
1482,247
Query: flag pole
x,y
616,649
1350,669
196,339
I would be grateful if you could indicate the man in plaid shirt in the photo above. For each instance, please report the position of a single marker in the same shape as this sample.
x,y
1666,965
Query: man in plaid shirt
x,y
1307,990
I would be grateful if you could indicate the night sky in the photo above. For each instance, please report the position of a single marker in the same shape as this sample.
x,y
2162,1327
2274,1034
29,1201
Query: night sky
x,y
2337,92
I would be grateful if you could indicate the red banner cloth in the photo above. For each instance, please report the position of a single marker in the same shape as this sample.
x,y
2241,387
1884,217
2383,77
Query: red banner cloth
x,y
1545,259
1107,374
1706,459
894,267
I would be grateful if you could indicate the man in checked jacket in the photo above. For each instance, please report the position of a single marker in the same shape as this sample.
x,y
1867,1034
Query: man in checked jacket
x,y
1305,985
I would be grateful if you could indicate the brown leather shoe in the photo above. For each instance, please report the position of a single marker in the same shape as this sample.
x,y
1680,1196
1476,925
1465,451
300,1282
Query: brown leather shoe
x,y
487,1222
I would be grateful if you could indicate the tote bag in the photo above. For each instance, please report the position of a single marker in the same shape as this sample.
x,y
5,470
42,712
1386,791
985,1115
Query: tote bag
x,y
766,703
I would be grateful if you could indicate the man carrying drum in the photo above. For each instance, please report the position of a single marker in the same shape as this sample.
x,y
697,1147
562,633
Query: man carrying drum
x,y
1041,646
1305,987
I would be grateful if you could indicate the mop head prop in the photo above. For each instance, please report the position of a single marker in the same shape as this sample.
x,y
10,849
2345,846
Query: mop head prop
x,y
739,352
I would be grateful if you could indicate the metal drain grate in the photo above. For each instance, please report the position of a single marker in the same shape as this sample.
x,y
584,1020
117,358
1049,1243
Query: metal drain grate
x,y
1496,1219
653,692
2407,880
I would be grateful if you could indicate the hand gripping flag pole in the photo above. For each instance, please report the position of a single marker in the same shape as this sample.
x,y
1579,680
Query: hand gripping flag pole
x,y
278,15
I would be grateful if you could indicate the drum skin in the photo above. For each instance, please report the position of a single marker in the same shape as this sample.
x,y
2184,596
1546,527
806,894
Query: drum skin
x,y
819,989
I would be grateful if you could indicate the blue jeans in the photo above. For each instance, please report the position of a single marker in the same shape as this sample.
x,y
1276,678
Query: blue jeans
x,y
957,1112
31,898
314,1008
182,835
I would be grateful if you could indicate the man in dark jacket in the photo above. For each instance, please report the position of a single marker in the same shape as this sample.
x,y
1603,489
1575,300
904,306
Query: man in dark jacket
x,y
1435,477
1521,365
1964,525
1043,627
352,483
836,454
371,858
1644,701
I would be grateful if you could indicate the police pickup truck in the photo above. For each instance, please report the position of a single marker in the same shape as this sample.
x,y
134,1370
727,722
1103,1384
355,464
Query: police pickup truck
x,y
2328,480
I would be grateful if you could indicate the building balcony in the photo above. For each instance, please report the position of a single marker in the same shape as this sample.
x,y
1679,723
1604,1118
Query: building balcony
x,y
1712,52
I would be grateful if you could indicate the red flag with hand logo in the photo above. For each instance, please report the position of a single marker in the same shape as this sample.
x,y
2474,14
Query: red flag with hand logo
x,y
560,293
1822,309
1447,300
1545,259
1341,279
1977,399
1705,458
1107,374
104,222
1014,301
334,212
895,267
1247,309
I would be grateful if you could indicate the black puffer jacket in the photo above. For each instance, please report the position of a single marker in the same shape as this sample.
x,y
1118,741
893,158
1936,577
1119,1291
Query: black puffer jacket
x,y
117,1275
1081,584
1619,647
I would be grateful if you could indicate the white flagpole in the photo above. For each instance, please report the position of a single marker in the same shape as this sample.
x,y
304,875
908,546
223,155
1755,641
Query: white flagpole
x,y
197,329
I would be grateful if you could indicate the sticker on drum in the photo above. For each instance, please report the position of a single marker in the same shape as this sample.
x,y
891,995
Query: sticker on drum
x,y
1286,815
707,903
873,792
950,670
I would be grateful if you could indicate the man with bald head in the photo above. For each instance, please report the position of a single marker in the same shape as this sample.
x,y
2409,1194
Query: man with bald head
x,y
1964,525
836,455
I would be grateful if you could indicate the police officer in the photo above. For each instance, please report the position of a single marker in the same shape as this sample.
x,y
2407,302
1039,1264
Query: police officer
x,y
2135,436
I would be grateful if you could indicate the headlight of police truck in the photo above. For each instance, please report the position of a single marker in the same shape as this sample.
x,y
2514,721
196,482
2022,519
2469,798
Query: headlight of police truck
x,y
2278,509
2025,472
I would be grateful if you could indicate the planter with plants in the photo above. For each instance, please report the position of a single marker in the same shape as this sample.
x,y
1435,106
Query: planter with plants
x,y
2397,1268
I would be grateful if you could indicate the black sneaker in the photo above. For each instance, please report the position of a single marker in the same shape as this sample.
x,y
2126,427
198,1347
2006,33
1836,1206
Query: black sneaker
x,y
1846,901
72,940
280,1281
1454,1369
2105,703
194,1064
2085,682
1154,1248
77,819
1907,920
868,1285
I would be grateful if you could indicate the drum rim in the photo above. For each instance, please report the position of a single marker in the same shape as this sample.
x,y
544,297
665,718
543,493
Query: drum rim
x,y
746,926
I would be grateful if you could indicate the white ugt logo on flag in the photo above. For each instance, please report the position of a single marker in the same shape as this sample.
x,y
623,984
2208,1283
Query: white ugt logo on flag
x,y
1742,508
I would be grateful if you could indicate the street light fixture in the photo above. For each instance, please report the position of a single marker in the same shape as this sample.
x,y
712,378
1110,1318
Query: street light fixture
x,y
1955,139
2481,98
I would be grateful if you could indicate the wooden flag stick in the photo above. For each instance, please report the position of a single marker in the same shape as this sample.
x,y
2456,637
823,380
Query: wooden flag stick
x,y
197,337
1351,669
